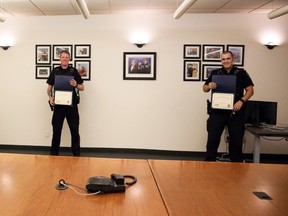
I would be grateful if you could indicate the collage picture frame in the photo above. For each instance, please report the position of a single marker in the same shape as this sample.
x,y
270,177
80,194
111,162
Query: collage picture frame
x,y
47,57
206,58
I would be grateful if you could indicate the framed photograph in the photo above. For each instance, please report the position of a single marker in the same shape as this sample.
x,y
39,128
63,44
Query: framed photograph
x,y
139,65
58,48
212,52
42,72
207,69
82,51
192,51
192,70
43,54
238,53
84,68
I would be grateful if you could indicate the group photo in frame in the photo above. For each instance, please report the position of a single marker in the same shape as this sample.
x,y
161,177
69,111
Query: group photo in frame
x,y
207,69
58,48
42,72
238,54
43,54
212,52
192,70
192,51
84,68
82,51
139,65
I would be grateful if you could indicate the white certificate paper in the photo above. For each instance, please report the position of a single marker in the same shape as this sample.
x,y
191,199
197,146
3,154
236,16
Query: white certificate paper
x,y
63,98
222,101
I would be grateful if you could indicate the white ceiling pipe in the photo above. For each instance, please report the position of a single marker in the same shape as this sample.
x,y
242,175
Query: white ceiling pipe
x,y
83,8
278,12
2,18
183,8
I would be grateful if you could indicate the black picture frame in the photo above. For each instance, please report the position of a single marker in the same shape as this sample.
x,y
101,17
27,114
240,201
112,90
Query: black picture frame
x,y
238,53
84,68
43,54
42,71
192,51
82,51
207,69
212,52
192,70
58,48
139,65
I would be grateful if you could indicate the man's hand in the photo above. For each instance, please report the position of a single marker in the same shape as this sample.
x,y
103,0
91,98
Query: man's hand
x,y
212,85
73,83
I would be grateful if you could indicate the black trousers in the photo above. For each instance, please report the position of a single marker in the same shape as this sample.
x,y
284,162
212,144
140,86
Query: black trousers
x,y
72,116
236,128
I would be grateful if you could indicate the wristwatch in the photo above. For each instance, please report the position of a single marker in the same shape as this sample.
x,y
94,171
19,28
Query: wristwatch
x,y
242,100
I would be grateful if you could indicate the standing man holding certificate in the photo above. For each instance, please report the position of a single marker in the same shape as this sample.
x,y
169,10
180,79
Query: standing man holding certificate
x,y
64,83
228,107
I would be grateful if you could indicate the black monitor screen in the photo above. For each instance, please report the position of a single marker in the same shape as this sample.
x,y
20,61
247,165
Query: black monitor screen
x,y
261,112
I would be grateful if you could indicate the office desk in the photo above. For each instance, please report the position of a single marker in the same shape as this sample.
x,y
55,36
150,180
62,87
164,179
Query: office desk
x,y
220,188
27,187
258,132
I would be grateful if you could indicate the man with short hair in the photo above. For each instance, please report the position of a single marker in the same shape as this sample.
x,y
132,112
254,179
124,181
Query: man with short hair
x,y
70,112
234,119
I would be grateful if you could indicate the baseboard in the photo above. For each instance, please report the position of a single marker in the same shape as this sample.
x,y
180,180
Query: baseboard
x,y
136,153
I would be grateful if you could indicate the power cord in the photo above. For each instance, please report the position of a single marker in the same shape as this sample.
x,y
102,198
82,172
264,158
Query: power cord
x,y
62,185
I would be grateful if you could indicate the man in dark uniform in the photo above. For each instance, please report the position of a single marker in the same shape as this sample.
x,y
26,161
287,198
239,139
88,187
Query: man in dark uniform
x,y
233,119
70,112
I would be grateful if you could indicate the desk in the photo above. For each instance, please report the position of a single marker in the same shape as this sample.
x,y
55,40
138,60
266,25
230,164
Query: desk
x,y
221,188
27,187
258,132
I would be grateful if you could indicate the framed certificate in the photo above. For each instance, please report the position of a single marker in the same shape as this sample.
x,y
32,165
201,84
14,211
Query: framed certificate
x,y
222,101
63,98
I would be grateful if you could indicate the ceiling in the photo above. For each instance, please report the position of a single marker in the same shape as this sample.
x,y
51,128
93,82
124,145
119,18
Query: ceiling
x,y
19,8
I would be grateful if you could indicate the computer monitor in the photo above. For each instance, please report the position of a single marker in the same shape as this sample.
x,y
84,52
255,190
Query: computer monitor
x,y
260,113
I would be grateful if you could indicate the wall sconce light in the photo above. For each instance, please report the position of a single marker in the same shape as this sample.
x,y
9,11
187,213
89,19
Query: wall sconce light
x,y
270,45
5,47
2,18
139,44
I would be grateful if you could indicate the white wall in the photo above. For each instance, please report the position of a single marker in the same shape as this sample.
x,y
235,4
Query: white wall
x,y
164,114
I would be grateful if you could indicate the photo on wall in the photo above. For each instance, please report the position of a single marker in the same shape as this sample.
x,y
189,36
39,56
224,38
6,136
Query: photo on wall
x,y
192,51
43,71
139,66
207,69
192,70
43,54
84,68
212,52
238,53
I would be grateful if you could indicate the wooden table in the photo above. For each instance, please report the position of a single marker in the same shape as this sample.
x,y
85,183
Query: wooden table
x,y
220,188
27,187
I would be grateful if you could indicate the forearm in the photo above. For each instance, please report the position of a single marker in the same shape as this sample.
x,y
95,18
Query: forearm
x,y
49,91
249,91
206,88
80,87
